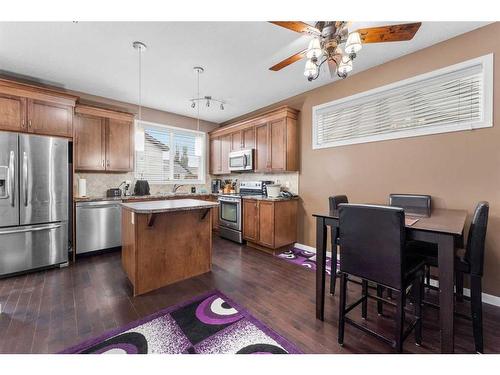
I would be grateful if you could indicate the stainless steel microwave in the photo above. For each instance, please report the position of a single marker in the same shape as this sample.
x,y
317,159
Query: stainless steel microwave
x,y
241,160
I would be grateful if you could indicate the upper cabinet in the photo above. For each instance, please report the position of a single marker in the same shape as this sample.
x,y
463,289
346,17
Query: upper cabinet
x,y
104,140
32,109
273,135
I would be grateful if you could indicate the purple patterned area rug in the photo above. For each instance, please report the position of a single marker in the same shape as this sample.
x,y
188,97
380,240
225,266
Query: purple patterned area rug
x,y
304,258
208,324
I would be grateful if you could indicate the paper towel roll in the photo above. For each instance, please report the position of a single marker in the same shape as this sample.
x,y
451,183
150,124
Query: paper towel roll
x,y
82,187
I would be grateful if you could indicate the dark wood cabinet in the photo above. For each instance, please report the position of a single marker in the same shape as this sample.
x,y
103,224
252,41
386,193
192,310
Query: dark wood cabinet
x,y
89,141
248,138
273,135
119,145
236,141
225,149
215,156
261,147
250,219
12,113
33,109
104,140
50,118
277,143
266,223
270,225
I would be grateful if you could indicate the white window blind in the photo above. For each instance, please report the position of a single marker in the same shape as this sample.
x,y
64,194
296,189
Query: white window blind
x,y
167,154
455,98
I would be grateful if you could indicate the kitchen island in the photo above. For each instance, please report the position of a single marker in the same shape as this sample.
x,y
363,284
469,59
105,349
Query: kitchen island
x,y
165,241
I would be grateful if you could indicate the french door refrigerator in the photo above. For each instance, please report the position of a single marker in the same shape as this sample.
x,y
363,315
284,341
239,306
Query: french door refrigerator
x,y
33,202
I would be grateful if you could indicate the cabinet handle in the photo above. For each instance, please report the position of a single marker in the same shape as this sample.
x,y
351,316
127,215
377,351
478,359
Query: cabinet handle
x,y
103,163
23,123
107,163
29,124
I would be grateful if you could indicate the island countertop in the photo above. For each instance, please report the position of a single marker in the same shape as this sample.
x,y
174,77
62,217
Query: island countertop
x,y
159,206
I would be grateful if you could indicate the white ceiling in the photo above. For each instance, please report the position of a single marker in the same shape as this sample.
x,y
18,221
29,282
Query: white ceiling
x,y
98,58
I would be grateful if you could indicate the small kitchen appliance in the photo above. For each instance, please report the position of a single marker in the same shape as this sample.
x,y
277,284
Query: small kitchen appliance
x,y
141,187
240,161
114,192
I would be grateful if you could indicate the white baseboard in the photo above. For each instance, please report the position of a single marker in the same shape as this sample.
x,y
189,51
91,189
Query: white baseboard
x,y
487,298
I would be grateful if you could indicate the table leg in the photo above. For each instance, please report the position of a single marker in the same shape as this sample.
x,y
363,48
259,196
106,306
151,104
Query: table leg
x,y
446,263
320,267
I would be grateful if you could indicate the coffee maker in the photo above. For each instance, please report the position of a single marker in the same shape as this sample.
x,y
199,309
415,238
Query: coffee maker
x,y
216,185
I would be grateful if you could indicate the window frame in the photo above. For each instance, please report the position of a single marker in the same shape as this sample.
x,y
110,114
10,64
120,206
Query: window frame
x,y
203,162
487,106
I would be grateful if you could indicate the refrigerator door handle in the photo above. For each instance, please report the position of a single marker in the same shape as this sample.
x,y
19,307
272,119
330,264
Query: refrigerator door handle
x,y
25,178
12,186
37,229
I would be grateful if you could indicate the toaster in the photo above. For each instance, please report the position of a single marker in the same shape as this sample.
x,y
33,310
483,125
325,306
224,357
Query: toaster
x,y
115,192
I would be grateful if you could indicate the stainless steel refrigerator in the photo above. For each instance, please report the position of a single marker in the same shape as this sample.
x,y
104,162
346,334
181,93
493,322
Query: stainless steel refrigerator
x,y
33,202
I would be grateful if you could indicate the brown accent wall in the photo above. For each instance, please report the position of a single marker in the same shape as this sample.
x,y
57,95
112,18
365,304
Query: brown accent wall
x,y
458,169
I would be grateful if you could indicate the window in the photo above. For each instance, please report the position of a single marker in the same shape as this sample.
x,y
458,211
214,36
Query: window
x,y
459,97
167,154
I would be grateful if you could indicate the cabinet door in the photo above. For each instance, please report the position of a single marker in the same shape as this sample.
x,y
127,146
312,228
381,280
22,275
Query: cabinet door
x,y
250,220
278,144
119,145
215,218
89,143
248,138
12,113
225,149
261,148
215,156
266,223
236,141
50,118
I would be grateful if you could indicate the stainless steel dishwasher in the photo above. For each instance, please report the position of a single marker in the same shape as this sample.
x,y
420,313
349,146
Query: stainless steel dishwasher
x,y
98,225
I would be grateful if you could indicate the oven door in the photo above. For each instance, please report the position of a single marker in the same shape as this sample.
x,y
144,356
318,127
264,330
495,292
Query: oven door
x,y
230,212
240,160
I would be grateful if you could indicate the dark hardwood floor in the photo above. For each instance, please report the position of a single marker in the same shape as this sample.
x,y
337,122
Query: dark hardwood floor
x,y
47,311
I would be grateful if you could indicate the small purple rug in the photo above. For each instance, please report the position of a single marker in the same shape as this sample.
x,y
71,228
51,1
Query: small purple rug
x,y
304,258
208,324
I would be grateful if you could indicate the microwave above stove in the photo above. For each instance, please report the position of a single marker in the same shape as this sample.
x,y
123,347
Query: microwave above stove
x,y
240,161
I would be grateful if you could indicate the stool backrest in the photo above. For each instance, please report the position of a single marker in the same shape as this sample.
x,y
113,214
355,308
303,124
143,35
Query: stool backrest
x,y
372,240
474,251
335,200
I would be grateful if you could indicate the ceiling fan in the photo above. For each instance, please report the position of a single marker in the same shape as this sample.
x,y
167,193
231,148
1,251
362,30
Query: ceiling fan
x,y
333,44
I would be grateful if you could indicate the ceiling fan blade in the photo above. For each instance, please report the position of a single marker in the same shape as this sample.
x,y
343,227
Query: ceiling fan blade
x,y
393,33
297,26
288,61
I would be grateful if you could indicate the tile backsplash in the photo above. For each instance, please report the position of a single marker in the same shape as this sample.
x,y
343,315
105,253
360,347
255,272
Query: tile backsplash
x,y
288,180
98,183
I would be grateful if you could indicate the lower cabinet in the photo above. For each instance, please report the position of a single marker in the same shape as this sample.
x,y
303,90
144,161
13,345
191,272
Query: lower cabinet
x,y
270,225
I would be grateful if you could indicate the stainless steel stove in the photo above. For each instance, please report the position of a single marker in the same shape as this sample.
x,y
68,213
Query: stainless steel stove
x,y
230,211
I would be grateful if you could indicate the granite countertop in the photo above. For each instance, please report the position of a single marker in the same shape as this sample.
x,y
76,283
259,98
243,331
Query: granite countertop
x,y
150,197
264,198
160,206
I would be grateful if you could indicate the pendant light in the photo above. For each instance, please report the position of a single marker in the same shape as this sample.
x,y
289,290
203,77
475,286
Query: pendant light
x,y
198,70
140,47
139,131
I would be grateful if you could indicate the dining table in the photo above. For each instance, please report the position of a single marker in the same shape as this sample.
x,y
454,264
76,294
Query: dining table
x,y
444,227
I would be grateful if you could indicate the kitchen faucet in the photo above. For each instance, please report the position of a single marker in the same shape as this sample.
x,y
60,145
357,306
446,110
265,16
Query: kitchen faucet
x,y
176,187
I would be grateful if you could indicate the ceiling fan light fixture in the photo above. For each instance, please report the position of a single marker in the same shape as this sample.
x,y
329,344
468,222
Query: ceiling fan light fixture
x,y
310,69
353,43
314,51
345,66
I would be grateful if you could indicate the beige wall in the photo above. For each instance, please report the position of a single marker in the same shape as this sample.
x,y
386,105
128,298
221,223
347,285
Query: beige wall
x,y
457,169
